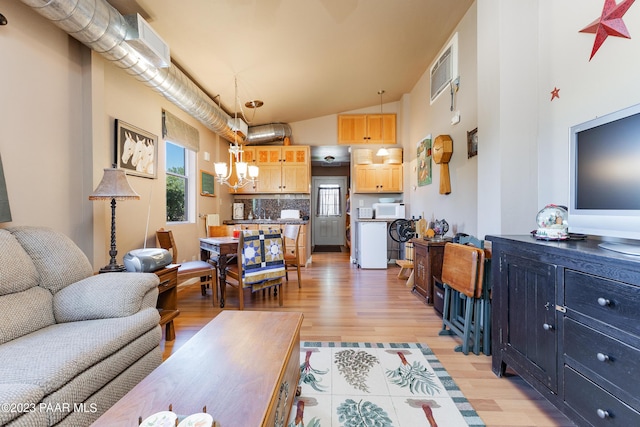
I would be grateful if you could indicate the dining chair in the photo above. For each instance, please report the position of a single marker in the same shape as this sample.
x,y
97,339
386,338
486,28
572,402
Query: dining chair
x,y
260,263
462,277
218,231
291,233
189,269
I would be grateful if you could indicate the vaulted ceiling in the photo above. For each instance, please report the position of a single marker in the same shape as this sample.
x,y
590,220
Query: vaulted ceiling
x,y
302,58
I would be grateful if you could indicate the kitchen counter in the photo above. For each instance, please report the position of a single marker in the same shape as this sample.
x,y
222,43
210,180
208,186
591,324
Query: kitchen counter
x,y
265,221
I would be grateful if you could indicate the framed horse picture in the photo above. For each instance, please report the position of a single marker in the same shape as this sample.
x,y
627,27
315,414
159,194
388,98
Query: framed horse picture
x,y
136,150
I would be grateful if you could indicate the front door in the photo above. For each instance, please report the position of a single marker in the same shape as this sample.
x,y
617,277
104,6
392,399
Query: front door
x,y
327,207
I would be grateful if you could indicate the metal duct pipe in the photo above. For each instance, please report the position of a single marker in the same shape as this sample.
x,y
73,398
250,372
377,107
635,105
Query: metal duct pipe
x,y
102,28
268,133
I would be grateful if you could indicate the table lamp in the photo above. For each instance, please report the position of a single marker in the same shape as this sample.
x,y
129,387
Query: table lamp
x,y
114,186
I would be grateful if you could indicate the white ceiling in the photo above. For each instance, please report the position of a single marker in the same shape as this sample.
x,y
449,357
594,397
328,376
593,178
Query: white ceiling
x,y
303,58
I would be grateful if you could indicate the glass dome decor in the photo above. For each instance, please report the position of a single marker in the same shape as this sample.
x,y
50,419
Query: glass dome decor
x,y
552,223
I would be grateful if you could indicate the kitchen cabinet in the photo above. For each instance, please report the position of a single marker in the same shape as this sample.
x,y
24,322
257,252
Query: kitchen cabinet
x,y
367,129
378,178
427,265
283,169
566,318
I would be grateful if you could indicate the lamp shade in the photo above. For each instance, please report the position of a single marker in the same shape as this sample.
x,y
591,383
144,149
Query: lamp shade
x,y
114,185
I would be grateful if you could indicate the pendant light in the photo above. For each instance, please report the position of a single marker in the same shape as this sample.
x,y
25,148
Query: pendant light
x,y
382,151
223,172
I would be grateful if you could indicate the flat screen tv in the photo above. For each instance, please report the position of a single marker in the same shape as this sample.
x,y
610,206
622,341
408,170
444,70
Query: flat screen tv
x,y
605,179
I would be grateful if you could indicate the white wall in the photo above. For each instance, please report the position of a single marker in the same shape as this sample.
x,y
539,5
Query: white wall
x,y
459,207
525,50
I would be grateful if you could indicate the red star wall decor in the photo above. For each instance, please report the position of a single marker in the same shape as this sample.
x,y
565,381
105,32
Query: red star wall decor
x,y
555,93
609,24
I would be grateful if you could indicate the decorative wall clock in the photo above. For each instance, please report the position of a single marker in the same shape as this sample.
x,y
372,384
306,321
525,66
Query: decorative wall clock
x,y
442,151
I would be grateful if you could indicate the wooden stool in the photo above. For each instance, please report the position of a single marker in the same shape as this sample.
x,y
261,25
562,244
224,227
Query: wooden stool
x,y
406,267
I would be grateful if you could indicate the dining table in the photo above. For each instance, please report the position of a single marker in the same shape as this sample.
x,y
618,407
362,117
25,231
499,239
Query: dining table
x,y
225,249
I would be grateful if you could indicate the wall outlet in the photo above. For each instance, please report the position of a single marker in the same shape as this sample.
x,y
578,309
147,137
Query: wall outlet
x,y
360,203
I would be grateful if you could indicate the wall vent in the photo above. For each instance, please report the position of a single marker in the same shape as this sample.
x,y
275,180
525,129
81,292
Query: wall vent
x,y
147,42
445,68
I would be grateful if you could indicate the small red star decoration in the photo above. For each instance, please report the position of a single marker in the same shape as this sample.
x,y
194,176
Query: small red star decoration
x,y
555,93
609,24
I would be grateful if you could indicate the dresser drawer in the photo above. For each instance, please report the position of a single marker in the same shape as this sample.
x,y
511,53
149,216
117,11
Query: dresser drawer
x,y
594,404
611,302
611,359
168,279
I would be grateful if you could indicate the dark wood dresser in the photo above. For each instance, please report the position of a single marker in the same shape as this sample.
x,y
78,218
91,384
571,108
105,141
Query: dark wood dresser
x,y
427,263
566,318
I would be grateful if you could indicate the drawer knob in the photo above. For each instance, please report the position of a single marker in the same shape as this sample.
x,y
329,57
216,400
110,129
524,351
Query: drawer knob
x,y
547,327
602,357
604,302
602,413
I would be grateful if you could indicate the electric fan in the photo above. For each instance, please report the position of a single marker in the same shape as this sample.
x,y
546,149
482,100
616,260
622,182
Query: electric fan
x,y
402,230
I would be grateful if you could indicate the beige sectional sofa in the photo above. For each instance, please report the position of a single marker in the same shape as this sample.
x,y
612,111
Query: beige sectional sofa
x,y
71,343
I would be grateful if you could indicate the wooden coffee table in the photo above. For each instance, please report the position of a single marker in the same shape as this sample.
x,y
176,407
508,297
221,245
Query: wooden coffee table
x,y
244,366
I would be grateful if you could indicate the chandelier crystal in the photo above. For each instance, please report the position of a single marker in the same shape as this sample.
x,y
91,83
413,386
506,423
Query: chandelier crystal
x,y
245,173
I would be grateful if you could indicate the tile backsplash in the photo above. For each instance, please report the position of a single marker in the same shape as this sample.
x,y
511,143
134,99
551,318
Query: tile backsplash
x,y
270,208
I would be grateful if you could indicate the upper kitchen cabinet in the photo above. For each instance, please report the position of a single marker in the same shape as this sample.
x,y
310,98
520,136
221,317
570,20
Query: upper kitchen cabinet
x,y
367,129
283,169
378,178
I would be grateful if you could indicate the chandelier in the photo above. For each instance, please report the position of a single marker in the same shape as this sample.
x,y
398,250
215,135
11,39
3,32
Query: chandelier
x,y
245,174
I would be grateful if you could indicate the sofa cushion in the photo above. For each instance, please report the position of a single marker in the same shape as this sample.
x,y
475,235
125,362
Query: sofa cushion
x,y
17,272
53,356
21,399
104,295
58,260
85,385
25,312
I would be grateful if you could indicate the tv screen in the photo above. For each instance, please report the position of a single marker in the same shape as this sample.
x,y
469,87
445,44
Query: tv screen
x,y
605,175
608,170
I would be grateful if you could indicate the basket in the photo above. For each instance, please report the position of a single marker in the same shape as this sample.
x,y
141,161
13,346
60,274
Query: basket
x,y
363,156
394,157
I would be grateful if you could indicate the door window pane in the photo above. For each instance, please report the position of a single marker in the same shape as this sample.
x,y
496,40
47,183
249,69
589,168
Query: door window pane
x,y
329,200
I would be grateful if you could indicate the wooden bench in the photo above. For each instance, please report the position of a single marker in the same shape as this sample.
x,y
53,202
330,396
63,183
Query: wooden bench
x,y
244,366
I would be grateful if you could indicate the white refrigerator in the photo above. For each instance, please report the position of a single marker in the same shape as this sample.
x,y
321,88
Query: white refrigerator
x,y
372,244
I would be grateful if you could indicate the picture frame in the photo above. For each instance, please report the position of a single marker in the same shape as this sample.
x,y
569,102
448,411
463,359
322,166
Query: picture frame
x,y
207,184
472,143
136,150
424,161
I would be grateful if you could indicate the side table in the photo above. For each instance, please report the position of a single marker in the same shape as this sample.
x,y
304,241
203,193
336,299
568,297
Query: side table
x,y
427,264
168,299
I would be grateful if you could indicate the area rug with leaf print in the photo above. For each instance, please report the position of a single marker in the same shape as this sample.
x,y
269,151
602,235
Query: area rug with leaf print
x,y
374,384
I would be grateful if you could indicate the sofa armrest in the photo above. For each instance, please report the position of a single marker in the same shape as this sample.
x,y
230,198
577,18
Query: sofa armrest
x,y
105,296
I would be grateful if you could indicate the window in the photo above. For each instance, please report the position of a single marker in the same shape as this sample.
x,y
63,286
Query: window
x,y
180,183
329,200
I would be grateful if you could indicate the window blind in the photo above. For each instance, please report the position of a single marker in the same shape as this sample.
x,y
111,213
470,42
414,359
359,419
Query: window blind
x,y
180,132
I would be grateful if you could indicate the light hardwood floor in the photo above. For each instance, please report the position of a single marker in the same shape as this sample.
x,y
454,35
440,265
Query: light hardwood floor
x,y
343,303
